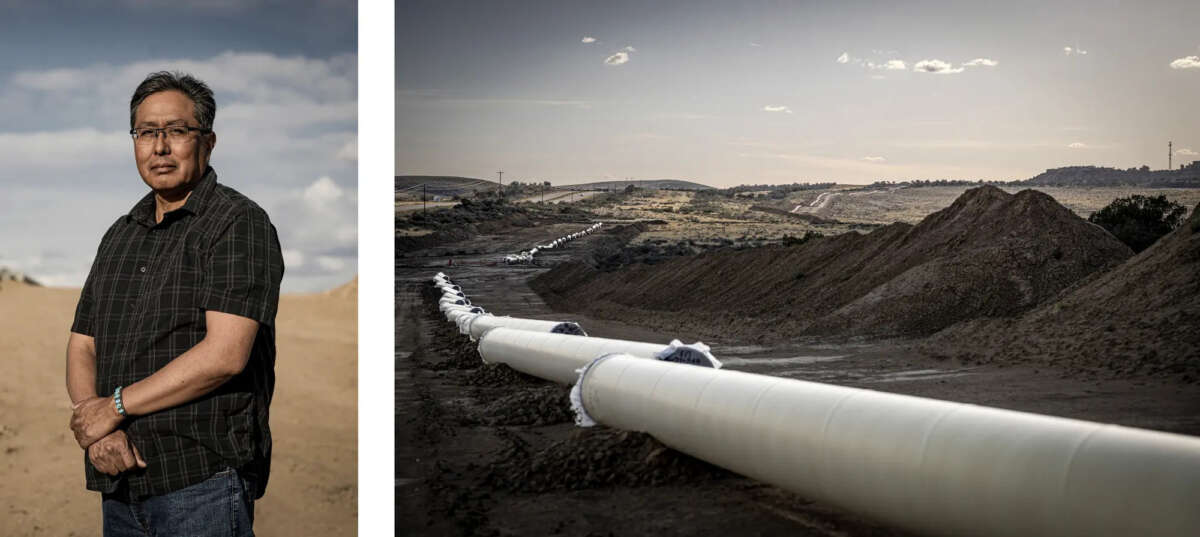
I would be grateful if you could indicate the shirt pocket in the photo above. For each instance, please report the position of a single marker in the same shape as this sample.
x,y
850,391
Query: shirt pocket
x,y
178,279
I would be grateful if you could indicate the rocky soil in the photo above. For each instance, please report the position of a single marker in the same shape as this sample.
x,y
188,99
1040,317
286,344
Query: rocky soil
x,y
1141,318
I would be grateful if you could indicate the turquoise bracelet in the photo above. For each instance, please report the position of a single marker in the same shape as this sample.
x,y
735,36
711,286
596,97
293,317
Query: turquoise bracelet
x,y
117,400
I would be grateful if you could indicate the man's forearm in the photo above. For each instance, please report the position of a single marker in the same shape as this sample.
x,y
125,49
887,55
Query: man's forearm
x,y
187,377
81,367
220,356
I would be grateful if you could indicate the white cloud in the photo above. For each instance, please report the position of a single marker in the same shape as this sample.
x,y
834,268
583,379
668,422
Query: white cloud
x,y
331,264
1186,152
1077,145
753,44
985,62
319,221
617,58
936,66
777,108
890,65
51,80
874,159
588,39
293,259
322,192
64,150
1187,62
620,57
349,152
1076,51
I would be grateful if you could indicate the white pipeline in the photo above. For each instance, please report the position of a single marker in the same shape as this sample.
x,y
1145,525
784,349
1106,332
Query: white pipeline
x,y
483,323
932,467
527,255
558,357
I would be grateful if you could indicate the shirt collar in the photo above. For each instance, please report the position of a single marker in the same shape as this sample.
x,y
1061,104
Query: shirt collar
x,y
198,200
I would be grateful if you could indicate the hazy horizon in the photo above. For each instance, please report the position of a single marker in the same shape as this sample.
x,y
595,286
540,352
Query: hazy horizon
x,y
775,92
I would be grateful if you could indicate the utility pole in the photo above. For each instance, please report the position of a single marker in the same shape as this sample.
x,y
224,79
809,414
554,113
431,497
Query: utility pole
x,y
1168,156
501,189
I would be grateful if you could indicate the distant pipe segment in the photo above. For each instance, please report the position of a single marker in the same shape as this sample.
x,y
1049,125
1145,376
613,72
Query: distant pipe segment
x,y
558,357
932,467
445,304
452,313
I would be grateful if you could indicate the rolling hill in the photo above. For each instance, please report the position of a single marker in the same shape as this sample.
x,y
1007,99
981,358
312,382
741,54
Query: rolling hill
x,y
410,186
1185,177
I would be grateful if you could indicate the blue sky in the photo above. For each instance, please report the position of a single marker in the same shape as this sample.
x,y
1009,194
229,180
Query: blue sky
x,y
771,91
285,79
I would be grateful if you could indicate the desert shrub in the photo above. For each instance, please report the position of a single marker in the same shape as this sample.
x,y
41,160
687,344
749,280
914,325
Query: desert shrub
x,y
809,235
1139,221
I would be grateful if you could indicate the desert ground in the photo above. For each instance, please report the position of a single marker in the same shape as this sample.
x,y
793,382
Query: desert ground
x,y
484,450
313,484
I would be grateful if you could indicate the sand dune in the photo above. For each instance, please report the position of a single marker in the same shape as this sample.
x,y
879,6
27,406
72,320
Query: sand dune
x,y
313,488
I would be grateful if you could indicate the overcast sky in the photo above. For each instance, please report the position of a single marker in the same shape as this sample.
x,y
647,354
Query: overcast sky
x,y
726,93
286,92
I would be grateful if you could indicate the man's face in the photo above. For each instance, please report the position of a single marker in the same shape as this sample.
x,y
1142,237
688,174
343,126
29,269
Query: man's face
x,y
170,166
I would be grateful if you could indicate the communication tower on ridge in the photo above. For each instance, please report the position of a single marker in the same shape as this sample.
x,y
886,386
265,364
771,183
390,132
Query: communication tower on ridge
x,y
1168,155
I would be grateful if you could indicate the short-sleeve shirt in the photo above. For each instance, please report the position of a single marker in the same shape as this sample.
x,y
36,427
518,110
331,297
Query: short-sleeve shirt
x,y
144,302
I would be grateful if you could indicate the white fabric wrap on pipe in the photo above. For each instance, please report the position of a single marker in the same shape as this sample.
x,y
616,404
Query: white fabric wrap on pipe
x,y
452,313
463,321
483,324
930,466
460,318
554,357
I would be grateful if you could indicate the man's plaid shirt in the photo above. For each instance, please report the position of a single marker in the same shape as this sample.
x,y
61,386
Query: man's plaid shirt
x,y
144,303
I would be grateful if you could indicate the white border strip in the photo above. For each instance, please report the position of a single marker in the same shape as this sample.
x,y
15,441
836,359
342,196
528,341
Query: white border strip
x,y
376,252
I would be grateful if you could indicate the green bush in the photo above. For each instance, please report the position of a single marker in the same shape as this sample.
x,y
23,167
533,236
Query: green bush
x,y
1139,221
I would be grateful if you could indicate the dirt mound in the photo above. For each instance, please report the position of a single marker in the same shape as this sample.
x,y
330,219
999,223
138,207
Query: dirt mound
x,y
988,254
597,457
542,405
1140,318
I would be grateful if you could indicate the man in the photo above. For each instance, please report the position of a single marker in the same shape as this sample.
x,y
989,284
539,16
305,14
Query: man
x,y
171,357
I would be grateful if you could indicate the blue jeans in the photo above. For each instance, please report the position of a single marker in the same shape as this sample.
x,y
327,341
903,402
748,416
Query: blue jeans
x,y
217,507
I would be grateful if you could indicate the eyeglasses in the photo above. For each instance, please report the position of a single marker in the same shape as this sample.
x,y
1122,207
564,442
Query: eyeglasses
x,y
175,133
